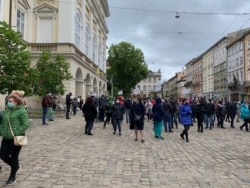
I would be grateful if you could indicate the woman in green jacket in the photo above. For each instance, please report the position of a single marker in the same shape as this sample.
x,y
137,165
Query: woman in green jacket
x,y
17,117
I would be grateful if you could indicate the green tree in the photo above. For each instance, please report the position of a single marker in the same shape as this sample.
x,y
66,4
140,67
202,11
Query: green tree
x,y
15,70
52,73
127,66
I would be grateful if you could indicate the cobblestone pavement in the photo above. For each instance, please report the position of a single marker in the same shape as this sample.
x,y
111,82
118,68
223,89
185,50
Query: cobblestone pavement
x,y
62,156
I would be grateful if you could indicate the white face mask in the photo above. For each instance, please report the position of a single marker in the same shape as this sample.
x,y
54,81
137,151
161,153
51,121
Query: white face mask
x,y
117,101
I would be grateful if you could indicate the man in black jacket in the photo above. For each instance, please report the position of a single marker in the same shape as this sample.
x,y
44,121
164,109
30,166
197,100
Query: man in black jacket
x,y
128,106
232,112
209,114
68,103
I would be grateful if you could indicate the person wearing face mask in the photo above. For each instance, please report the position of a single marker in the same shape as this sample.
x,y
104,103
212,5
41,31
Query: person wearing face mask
x,y
15,116
118,111
245,115
186,118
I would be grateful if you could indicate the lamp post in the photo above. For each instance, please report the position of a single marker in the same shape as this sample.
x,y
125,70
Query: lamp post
x,y
10,13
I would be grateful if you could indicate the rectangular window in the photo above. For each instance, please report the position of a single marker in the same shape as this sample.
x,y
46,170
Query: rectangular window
x,y
241,60
149,79
20,21
45,26
154,79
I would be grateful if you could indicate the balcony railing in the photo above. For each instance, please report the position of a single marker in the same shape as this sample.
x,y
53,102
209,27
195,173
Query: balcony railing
x,y
188,84
247,83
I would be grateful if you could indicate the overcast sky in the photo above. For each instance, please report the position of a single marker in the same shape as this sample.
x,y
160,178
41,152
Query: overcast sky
x,y
169,43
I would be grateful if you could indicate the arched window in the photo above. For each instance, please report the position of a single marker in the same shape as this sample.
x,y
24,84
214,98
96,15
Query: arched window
x,y
87,40
94,48
77,30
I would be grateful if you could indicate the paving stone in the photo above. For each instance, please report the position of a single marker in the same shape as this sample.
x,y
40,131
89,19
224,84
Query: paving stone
x,y
61,155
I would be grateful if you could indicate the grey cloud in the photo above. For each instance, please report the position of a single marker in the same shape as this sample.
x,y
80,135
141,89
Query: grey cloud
x,y
169,43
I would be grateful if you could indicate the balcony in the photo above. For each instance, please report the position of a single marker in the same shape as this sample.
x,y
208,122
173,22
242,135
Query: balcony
x,y
188,84
196,84
232,86
247,83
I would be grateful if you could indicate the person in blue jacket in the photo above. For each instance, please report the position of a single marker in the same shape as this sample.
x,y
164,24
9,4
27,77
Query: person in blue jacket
x,y
245,115
186,118
158,115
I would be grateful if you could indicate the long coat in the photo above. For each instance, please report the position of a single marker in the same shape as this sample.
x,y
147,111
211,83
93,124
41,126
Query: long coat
x,y
185,114
90,112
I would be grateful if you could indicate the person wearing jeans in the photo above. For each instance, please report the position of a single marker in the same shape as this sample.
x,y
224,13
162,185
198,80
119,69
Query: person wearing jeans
x,y
168,122
128,106
209,114
45,105
168,118
118,111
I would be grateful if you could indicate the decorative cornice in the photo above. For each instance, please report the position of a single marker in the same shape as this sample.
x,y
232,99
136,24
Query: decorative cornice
x,y
24,3
46,10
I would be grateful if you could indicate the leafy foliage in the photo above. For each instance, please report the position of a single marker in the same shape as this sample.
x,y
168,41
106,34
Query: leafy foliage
x,y
15,70
52,73
128,66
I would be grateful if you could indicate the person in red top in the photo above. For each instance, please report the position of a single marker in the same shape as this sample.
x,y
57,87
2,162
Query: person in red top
x,y
121,98
45,105
153,102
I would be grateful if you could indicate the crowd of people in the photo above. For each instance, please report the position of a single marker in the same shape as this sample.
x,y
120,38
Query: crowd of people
x,y
165,114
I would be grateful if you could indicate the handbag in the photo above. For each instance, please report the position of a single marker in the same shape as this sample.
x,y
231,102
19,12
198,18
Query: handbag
x,y
18,140
137,118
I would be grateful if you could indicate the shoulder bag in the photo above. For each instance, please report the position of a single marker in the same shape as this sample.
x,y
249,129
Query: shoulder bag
x,y
18,140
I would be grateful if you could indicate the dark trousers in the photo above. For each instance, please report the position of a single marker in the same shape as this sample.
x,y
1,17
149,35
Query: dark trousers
x,y
245,124
200,124
232,120
107,120
185,131
45,112
9,154
221,121
117,123
67,110
101,114
88,127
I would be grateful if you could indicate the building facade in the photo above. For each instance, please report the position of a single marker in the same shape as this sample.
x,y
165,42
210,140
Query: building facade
x,y
220,70
197,78
151,86
181,80
207,75
75,28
